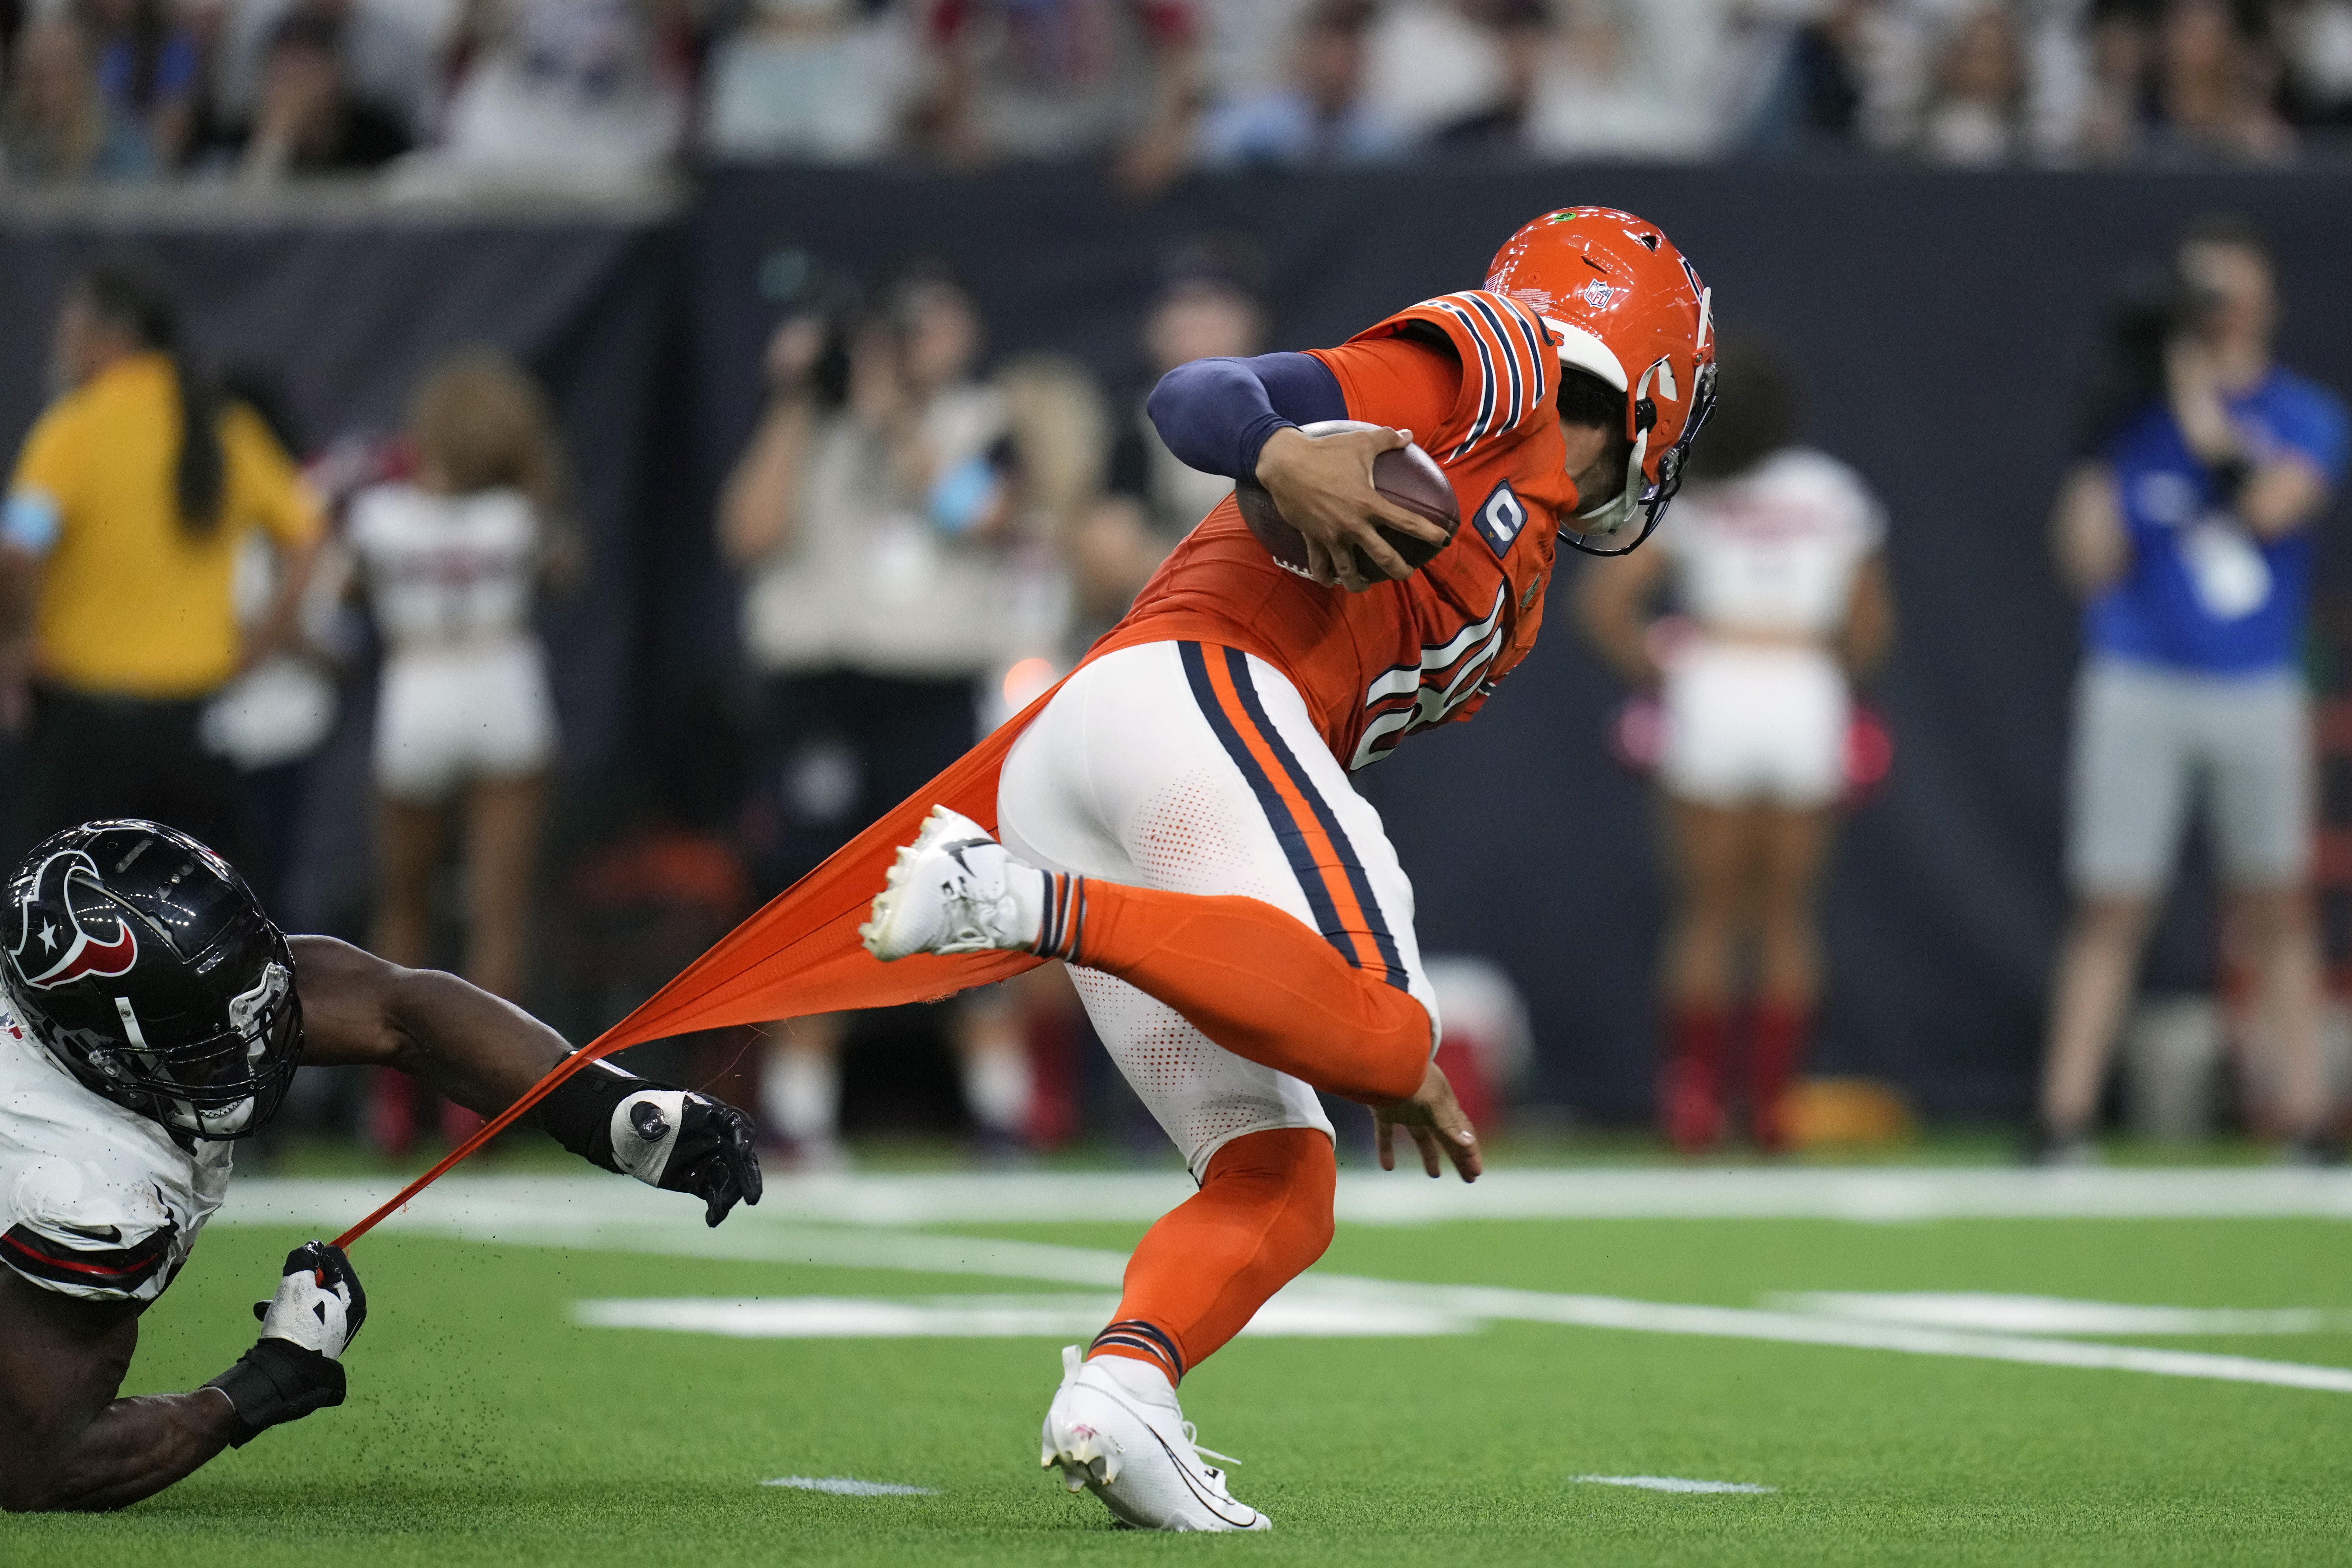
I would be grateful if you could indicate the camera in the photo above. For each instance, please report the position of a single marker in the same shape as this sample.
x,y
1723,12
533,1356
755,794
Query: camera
x,y
2152,308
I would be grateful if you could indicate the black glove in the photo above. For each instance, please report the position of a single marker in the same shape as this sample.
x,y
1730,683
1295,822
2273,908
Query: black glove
x,y
294,1368
668,1137
685,1142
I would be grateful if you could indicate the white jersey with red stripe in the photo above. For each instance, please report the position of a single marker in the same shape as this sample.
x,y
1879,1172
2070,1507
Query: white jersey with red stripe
x,y
444,570
95,1200
1776,549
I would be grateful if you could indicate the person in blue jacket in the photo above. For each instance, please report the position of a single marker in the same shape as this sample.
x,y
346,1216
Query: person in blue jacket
x,y
2189,532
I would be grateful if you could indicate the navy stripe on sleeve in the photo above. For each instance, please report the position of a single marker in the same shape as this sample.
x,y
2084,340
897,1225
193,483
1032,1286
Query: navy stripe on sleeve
x,y
1216,415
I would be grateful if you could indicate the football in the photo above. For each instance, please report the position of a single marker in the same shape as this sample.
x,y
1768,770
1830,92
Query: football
x,y
1407,476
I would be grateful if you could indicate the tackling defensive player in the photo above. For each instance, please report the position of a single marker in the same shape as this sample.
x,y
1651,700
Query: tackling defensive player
x,y
152,1015
1178,823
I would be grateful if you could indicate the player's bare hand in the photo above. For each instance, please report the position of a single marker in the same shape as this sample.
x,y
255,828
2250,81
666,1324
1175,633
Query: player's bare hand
x,y
1323,486
1433,1117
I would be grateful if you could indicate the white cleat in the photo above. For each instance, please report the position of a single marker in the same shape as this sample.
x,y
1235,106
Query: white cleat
x,y
954,889
1125,1438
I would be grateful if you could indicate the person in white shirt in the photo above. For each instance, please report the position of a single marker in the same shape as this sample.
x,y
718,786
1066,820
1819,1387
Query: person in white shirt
x,y
451,562
1775,560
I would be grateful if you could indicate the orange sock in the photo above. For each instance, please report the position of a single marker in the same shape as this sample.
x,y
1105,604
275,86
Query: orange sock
x,y
1258,981
1263,1214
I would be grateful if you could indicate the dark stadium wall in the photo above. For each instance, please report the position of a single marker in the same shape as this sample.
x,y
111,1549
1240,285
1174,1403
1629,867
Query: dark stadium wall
x,y
345,316
1943,321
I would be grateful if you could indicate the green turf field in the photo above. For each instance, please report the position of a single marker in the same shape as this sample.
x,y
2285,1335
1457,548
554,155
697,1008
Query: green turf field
x,y
487,1426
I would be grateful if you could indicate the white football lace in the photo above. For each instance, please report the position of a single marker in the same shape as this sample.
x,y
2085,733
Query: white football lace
x,y
1191,1436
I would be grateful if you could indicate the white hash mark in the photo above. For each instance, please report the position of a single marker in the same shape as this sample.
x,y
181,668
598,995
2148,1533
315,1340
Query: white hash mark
x,y
841,1486
1674,1484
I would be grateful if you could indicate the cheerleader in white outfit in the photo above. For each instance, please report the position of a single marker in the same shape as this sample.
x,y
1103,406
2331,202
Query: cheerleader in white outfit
x,y
1774,563
452,563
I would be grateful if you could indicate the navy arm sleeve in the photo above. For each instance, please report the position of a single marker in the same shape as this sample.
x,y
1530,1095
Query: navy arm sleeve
x,y
1216,415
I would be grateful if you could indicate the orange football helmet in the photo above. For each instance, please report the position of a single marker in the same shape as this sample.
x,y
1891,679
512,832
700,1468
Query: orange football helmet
x,y
1623,304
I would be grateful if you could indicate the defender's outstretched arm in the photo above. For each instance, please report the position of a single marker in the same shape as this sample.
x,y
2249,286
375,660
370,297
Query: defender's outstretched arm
x,y
484,1053
359,1011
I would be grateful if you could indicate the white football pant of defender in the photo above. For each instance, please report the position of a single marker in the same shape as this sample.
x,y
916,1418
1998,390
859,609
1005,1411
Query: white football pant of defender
x,y
1115,1428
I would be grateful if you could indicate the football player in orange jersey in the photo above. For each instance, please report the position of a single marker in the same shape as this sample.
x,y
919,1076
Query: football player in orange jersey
x,y
1178,825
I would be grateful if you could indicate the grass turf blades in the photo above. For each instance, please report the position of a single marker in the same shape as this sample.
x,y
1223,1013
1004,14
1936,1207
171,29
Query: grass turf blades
x,y
486,1427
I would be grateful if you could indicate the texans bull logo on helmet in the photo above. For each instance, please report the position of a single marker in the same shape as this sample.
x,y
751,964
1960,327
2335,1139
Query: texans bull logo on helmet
x,y
140,960
63,938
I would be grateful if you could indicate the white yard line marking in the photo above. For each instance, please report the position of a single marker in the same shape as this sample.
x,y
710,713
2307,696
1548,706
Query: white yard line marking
x,y
624,1217
1798,1328
1311,1307
2056,1315
1875,1196
849,1318
988,1317
532,1214
1674,1484
841,1486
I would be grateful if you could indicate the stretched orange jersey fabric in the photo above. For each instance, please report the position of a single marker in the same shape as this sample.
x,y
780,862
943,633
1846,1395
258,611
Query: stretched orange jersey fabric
x,y
1372,665
1399,656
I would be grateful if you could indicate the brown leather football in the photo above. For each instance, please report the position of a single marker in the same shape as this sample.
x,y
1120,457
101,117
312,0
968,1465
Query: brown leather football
x,y
1407,476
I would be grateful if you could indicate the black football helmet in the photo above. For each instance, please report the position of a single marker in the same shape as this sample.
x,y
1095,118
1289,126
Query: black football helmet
x,y
145,965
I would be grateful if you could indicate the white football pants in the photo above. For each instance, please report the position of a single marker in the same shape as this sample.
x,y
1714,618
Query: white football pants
x,y
1195,769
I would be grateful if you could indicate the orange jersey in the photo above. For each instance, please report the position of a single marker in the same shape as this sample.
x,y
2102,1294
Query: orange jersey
x,y
1402,656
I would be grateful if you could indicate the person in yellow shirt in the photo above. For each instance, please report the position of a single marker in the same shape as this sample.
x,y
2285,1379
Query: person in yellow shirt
x,y
119,542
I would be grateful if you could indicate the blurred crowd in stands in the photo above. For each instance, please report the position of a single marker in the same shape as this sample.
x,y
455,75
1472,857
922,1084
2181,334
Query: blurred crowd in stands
x,y
596,91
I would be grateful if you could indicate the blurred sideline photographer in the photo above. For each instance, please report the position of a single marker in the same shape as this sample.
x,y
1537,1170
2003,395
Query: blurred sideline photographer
x,y
875,518
118,557
153,1014
2186,530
